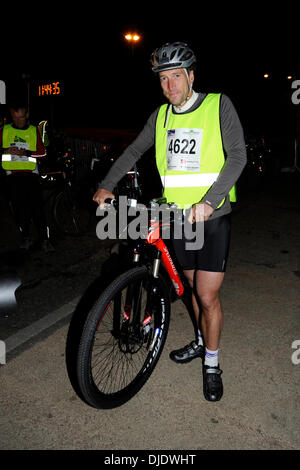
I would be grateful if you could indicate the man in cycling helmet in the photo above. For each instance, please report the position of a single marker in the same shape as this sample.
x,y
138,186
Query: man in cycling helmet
x,y
179,58
200,154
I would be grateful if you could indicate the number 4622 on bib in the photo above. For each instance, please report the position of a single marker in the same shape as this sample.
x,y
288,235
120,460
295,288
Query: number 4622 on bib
x,y
184,149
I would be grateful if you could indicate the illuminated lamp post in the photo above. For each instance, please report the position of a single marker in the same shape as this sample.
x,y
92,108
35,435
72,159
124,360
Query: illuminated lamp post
x,y
132,38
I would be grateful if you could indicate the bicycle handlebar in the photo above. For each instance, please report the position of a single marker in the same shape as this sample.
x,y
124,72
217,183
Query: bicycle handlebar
x,y
134,202
114,203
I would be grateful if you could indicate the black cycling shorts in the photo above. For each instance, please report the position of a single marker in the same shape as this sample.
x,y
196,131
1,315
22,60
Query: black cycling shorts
x,y
214,252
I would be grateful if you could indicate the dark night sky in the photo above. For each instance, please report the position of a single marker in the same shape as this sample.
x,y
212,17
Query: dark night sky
x,y
106,86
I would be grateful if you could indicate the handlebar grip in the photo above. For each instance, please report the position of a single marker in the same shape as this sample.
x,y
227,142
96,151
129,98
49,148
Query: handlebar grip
x,y
110,201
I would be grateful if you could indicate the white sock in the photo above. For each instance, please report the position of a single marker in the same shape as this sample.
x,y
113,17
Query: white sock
x,y
211,358
199,339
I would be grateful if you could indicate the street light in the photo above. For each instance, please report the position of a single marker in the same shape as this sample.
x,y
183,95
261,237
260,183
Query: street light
x,y
132,38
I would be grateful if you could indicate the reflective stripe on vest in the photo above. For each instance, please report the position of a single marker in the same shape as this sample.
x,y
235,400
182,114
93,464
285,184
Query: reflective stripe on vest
x,y
187,181
187,184
14,162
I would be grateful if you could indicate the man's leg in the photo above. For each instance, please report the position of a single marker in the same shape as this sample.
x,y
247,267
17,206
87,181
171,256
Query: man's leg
x,y
195,348
38,213
208,285
18,193
190,276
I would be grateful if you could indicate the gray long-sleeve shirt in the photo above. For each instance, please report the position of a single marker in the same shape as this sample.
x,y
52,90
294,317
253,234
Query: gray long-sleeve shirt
x,y
233,145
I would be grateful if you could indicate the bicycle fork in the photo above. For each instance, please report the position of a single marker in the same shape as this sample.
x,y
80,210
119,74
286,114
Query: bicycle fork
x,y
153,293
132,313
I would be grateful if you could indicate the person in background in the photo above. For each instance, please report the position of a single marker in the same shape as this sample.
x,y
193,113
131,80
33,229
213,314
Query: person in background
x,y
21,149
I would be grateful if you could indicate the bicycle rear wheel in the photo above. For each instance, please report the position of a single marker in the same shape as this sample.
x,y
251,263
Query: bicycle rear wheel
x,y
123,338
70,215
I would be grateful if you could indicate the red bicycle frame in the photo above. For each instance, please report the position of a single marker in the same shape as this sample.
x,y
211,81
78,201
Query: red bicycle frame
x,y
154,238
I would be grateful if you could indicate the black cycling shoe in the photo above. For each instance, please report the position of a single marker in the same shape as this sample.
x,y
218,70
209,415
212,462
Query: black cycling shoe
x,y
212,383
188,353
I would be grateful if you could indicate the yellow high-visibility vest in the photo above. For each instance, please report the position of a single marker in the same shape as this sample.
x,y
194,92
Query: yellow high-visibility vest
x,y
23,139
189,152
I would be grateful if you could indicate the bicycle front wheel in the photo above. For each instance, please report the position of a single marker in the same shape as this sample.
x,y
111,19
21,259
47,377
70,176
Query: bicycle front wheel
x,y
123,338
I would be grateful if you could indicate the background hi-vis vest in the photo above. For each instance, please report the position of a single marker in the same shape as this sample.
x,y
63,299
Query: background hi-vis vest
x,y
189,152
23,139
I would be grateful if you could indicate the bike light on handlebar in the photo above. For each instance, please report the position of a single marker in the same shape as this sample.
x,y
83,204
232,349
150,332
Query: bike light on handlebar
x,y
113,202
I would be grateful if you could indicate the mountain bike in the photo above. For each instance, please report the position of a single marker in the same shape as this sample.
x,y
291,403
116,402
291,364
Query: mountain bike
x,y
125,330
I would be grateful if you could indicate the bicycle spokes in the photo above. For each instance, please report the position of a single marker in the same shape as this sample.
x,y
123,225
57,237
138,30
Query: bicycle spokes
x,y
125,338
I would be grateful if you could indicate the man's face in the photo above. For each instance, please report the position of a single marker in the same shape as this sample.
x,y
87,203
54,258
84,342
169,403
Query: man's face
x,y
19,117
175,85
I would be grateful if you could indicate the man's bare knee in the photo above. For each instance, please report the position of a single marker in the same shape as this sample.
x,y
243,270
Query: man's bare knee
x,y
209,301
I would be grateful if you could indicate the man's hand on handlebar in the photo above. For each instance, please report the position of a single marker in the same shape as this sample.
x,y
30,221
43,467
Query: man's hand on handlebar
x,y
200,212
100,196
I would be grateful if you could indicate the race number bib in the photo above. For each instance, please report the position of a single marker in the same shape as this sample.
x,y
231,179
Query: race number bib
x,y
20,145
184,149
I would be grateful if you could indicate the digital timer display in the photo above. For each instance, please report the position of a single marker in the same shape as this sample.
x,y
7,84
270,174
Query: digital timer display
x,y
50,89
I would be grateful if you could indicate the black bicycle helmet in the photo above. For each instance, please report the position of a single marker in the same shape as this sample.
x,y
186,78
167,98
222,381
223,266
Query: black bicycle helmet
x,y
174,55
